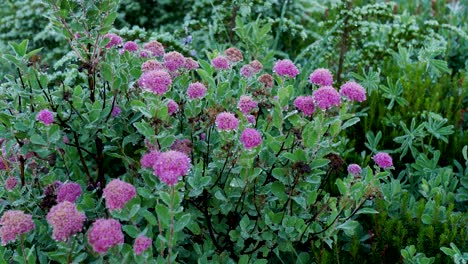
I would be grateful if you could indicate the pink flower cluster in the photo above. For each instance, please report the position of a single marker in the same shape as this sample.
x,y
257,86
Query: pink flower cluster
x,y
151,65
171,165
226,121
114,40
220,63
246,104
321,77
156,81
383,160
104,234
326,96
154,48
11,183
354,169
130,46
191,64
14,223
172,107
247,71
251,138
256,66
182,145
65,220
196,90
174,60
141,244
45,116
69,191
117,193
286,68
116,111
353,91
234,54
305,104
148,160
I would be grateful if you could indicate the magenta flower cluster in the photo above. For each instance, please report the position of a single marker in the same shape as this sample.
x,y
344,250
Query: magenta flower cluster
x,y
354,169
171,165
226,121
148,160
154,48
69,191
286,68
141,244
321,77
172,107
116,111
247,71
305,104
246,104
326,97
353,91
104,234
174,60
45,116
220,63
251,138
196,90
10,183
130,46
383,160
151,65
256,66
114,40
117,193
65,220
156,81
191,64
14,223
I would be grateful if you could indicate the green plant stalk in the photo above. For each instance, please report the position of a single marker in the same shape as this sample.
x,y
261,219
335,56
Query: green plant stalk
x,y
70,254
22,248
171,226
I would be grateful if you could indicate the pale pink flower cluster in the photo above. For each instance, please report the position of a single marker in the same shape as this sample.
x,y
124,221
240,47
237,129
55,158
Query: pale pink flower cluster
x,y
114,40
286,68
104,234
247,71
246,104
172,107
226,121
171,165
10,183
191,64
14,223
353,91
383,160
174,60
220,63
151,65
117,193
156,81
154,48
116,111
141,244
354,169
148,159
66,220
196,90
130,46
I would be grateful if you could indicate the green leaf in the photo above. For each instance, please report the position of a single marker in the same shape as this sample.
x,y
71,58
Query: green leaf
x,y
348,227
278,190
341,186
109,20
144,128
106,71
367,210
350,122
163,214
20,49
182,222
131,230
37,139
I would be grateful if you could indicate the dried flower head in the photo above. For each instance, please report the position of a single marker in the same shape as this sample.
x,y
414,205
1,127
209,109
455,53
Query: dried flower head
x,y
234,55
182,145
266,79
256,65
11,183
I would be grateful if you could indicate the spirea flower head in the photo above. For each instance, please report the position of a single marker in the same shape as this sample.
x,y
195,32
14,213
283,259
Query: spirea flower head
x,y
174,60
246,104
155,48
353,91
191,64
14,223
266,79
247,71
172,107
144,54
116,111
226,121
104,234
326,97
69,191
156,81
305,104
286,68
151,65
130,46
256,65
383,160
118,193
182,145
11,183
234,55
220,63
354,169
114,40
196,90
251,119
141,244
171,165
45,116
321,77
148,160
251,138
65,220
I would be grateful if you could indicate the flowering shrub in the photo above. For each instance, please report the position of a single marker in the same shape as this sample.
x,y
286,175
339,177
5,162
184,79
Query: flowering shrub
x,y
168,158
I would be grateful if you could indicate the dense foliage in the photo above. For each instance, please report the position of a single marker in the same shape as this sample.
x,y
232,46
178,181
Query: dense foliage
x,y
267,131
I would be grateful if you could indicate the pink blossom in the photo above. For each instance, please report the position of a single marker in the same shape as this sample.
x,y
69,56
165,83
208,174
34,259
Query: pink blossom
x,y
226,121
69,191
114,40
305,104
286,68
14,223
353,91
383,160
65,220
326,97
116,111
172,107
256,65
141,244
251,138
152,65
45,116
191,64
118,193
171,165
154,48
104,234
354,169
156,81
11,183
196,90
148,160
321,77
220,63
247,71
174,60
246,104
251,119
130,46
182,145
233,54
